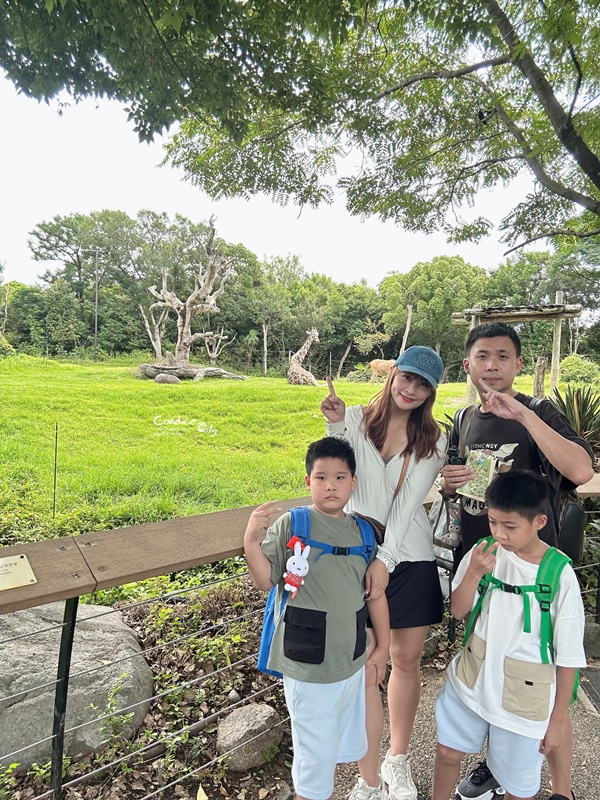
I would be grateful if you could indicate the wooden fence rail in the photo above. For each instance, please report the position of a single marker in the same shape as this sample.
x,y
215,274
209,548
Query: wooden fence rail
x,y
76,565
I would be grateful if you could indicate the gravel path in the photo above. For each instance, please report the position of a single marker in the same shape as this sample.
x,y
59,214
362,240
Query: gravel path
x,y
586,758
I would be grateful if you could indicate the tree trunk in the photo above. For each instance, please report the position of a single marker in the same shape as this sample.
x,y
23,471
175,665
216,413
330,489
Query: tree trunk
x,y
5,312
343,358
406,329
184,336
574,335
265,329
154,332
539,377
560,120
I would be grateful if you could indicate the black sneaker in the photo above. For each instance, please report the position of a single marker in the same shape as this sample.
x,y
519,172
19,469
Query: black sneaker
x,y
480,784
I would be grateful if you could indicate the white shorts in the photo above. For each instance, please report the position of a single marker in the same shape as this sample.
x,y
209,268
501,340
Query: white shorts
x,y
514,760
328,728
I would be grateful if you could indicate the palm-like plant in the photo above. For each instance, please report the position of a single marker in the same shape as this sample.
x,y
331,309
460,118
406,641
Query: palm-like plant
x,y
581,406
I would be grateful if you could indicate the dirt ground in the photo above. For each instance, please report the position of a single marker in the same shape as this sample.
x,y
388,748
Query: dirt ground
x,y
586,748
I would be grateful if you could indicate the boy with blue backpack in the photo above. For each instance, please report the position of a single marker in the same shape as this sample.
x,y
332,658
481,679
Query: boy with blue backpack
x,y
513,680
320,637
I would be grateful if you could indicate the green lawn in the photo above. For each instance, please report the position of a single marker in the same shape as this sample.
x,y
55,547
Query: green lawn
x,y
132,451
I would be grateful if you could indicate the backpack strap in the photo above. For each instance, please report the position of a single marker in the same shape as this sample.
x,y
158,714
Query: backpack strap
x,y
462,422
482,591
300,522
547,583
300,518
301,529
367,532
545,588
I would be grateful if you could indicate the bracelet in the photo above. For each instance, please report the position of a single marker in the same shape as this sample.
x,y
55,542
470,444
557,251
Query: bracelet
x,y
448,495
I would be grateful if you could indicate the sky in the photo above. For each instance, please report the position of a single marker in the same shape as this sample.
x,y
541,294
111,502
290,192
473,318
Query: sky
x,y
88,158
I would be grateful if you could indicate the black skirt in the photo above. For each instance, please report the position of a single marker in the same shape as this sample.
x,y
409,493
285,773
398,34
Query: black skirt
x,y
414,595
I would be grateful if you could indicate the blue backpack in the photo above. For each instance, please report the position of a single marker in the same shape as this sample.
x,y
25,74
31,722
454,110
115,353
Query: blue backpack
x,y
301,529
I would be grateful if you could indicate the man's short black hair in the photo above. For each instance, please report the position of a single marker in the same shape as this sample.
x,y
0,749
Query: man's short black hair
x,y
489,330
330,447
518,490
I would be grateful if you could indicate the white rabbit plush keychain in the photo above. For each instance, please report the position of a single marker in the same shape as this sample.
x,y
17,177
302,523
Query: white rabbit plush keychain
x,y
297,566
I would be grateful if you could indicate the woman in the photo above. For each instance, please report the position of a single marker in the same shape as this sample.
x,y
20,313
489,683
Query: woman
x,y
399,450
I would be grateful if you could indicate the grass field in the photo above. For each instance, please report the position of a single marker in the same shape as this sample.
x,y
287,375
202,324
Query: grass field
x,y
133,451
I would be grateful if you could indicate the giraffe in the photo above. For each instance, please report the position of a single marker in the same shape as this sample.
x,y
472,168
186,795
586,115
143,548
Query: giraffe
x,y
297,375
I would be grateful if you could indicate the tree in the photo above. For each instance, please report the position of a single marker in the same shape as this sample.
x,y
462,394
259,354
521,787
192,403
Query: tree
x,y
372,339
130,255
168,60
439,100
44,320
273,309
213,270
215,343
522,280
250,342
435,289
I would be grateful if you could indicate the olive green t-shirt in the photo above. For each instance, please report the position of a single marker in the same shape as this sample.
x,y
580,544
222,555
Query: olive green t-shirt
x,y
321,636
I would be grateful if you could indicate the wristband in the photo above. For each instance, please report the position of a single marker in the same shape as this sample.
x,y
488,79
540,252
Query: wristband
x,y
387,562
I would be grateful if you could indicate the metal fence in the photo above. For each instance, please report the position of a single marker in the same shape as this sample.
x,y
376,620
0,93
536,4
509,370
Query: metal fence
x,y
206,528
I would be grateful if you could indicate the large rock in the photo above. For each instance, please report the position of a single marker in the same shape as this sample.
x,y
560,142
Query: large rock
x,y
32,660
251,729
162,378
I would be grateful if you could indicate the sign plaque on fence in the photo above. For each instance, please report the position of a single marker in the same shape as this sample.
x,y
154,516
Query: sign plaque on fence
x,y
15,571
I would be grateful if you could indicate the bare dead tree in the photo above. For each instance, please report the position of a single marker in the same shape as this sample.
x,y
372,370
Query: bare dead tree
x,y
203,300
155,328
409,310
343,359
215,344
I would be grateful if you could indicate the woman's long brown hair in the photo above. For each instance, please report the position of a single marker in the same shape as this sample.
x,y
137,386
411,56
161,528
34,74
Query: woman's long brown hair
x,y
422,429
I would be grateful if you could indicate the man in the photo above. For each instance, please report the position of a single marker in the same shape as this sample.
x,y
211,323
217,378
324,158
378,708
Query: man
x,y
517,437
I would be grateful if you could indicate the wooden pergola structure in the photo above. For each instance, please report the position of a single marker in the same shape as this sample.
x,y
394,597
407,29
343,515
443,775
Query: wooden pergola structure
x,y
557,312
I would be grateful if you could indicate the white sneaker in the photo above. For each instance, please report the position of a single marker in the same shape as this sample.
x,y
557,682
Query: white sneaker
x,y
395,771
362,791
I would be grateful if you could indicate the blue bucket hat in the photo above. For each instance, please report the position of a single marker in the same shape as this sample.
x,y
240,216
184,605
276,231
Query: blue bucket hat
x,y
422,361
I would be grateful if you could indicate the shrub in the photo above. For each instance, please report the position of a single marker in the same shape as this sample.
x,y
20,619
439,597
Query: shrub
x,y
359,376
581,406
578,369
6,348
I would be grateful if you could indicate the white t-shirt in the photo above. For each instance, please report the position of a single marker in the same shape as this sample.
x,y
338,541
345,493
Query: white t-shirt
x,y
502,678
408,534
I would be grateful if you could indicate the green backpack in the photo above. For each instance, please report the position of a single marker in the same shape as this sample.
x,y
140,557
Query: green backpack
x,y
544,590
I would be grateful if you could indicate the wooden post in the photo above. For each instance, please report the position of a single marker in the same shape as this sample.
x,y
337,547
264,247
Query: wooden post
x,y
555,367
539,377
471,390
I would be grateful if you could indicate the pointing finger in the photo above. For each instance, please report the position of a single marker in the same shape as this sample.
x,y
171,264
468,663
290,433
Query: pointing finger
x,y
330,385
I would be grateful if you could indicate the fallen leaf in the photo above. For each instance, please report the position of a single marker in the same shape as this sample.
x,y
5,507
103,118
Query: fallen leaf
x,y
201,794
262,793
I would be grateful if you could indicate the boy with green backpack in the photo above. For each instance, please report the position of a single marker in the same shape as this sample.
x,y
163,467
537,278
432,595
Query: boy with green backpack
x,y
514,678
518,436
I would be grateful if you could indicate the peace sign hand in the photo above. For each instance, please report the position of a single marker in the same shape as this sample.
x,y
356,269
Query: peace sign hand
x,y
333,407
260,519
